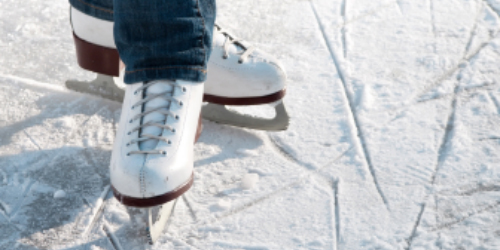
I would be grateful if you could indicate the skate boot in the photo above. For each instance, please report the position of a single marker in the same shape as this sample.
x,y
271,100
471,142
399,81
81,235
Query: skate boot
x,y
239,74
152,158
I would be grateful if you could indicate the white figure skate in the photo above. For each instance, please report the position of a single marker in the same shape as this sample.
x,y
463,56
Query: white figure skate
x,y
239,74
152,159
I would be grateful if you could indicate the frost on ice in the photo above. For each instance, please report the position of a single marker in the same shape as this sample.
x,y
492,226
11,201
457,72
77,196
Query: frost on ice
x,y
249,181
59,194
398,99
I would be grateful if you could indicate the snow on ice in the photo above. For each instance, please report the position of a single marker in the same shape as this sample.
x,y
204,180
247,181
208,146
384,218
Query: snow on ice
x,y
59,194
249,181
394,140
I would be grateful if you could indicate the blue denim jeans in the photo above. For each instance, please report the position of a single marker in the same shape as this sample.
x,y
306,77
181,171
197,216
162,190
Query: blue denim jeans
x,y
159,39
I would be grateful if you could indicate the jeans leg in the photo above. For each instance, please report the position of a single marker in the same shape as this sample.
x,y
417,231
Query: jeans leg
x,y
102,9
164,39
158,39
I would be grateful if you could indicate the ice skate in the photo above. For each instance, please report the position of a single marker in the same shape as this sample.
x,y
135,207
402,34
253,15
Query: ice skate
x,y
239,74
152,159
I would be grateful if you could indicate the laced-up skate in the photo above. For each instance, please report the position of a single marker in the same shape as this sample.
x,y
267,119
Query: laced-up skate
x,y
152,159
239,74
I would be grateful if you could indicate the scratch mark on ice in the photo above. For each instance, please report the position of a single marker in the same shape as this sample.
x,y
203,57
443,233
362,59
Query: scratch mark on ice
x,y
287,155
409,241
47,86
112,237
490,138
343,13
4,210
433,20
495,101
357,125
26,191
471,214
400,9
442,154
5,180
32,140
467,90
445,143
269,195
188,204
493,9
473,32
470,189
337,213
245,246
461,64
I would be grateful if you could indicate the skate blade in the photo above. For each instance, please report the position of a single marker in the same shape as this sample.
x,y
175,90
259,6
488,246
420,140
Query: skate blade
x,y
220,114
103,86
157,223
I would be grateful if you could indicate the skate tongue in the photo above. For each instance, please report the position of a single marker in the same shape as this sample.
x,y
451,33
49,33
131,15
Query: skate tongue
x,y
160,87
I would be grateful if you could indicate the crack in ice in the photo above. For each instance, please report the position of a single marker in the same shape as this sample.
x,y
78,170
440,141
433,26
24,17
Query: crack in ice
x,y
360,135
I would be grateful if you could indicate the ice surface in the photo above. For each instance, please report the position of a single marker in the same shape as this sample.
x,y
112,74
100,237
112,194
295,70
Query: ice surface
x,y
394,140
249,181
59,194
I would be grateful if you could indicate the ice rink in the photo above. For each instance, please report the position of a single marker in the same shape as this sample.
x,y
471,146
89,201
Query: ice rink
x,y
394,141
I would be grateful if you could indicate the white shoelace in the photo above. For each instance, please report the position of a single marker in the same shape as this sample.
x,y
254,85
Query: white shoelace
x,y
164,110
230,39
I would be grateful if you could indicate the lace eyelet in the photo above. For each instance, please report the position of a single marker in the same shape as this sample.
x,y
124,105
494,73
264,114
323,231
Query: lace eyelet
x,y
164,152
173,130
128,144
128,154
135,92
177,117
169,142
131,120
225,57
240,61
181,104
184,89
129,133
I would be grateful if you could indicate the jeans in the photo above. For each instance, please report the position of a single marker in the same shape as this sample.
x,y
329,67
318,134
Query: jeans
x,y
158,39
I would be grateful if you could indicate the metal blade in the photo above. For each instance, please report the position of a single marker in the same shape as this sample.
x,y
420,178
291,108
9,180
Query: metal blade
x,y
220,114
157,223
103,86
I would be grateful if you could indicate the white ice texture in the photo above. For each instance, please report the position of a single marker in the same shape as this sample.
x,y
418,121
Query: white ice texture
x,y
59,194
394,140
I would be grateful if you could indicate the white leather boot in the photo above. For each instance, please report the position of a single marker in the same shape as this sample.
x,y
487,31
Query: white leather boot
x,y
152,158
238,74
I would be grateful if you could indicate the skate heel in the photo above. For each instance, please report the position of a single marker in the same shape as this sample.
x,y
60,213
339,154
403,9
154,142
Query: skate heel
x,y
97,58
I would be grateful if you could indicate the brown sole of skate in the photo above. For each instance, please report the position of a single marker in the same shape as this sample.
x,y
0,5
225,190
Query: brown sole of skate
x,y
161,199
153,201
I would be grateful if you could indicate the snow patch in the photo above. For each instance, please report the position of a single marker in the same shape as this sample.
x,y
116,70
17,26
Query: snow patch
x,y
59,194
366,100
221,205
249,181
247,152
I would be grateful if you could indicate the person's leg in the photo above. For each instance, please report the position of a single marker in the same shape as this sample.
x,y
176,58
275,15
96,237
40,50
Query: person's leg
x,y
155,39
102,9
240,74
165,45
164,39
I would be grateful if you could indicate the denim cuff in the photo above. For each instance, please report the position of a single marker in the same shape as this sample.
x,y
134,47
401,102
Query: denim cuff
x,y
186,73
99,9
